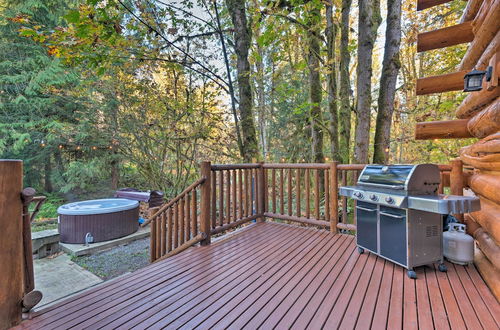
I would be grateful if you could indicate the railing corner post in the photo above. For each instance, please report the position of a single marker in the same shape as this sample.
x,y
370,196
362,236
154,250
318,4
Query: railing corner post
x,y
11,243
334,197
261,191
457,181
206,171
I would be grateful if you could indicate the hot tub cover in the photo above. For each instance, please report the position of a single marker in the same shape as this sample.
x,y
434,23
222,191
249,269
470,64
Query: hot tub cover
x,y
97,206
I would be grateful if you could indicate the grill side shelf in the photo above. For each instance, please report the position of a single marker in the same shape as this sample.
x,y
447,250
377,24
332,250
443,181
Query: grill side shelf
x,y
444,204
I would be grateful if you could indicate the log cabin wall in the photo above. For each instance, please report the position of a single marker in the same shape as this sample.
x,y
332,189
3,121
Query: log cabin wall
x,y
478,116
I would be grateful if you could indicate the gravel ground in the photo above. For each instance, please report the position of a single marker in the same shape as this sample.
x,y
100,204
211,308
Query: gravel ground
x,y
117,261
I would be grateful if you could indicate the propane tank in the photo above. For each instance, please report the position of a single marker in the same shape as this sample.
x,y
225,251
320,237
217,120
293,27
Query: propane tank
x,y
458,247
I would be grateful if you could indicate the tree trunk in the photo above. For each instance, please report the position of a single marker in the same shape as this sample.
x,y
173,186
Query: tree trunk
x,y
230,81
345,86
261,100
369,21
47,174
242,40
115,171
390,69
331,35
315,87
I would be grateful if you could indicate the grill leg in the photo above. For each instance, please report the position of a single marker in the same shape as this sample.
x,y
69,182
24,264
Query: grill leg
x,y
361,250
411,274
442,267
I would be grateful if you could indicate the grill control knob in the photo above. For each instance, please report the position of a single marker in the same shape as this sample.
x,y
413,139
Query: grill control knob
x,y
373,197
389,200
358,194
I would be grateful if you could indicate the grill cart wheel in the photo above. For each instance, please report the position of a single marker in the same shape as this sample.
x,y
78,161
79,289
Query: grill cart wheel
x,y
361,250
411,274
442,268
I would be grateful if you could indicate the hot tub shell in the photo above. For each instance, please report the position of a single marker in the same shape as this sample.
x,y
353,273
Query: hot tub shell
x,y
102,223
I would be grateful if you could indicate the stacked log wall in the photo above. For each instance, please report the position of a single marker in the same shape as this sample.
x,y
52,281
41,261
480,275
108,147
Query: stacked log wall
x,y
482,109
478,117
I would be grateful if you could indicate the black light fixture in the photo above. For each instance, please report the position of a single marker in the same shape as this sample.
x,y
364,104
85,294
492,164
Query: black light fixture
x,y
473,81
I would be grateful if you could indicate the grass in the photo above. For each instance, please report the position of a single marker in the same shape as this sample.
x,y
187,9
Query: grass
x,y
43,225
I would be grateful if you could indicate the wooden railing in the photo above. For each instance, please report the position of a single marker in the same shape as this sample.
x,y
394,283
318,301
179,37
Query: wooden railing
x,y
228,196
235,192
176,224
307,193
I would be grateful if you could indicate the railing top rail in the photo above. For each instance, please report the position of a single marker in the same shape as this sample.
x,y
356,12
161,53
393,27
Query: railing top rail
x,y
444,167
222,167
341,167
296,165
350,167
174,200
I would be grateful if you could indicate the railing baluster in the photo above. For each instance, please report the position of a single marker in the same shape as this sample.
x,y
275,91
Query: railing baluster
x,y
228,197
297,189
316,193
248,188
163,234
169,230
327,195
234,195
176,226
240,191
273,189
253,182
188,217
213,209
308,193
265,207
334,198
290,173
181,221
221,198
282,193
157,224
152,242
194,214
344,198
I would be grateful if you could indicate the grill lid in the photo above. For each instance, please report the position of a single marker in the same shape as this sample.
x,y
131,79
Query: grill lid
x,y
421,179
393,176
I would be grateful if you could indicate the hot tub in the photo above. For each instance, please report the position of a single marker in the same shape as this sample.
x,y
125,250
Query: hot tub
x,y
104,219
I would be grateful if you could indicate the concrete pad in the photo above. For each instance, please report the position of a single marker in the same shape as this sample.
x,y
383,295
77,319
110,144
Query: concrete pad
x,y
81,250
59,277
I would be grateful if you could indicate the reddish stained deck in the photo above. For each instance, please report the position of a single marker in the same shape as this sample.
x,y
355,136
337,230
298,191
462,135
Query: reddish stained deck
x,y
273,275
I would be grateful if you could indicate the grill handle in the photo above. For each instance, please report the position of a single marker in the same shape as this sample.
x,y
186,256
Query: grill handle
x,y
392,215
381,185
366,209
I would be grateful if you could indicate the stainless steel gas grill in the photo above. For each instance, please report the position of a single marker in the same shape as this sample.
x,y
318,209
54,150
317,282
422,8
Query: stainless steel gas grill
x,y
399,213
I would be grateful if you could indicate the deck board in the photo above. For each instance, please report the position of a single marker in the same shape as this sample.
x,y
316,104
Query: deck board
x,y
272,275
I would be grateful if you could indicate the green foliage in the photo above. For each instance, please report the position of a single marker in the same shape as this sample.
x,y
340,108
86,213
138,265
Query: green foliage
x,y
96,92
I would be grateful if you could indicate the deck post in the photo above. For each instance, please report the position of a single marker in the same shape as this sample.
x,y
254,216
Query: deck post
x,y
457,182
11,243
206,172
334,197
261,197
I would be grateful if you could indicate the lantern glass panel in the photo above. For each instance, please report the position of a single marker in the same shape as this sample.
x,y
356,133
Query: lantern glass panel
x,y
475,81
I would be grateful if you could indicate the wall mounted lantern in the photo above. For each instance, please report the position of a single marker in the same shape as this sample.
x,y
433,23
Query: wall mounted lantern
x,y
473,81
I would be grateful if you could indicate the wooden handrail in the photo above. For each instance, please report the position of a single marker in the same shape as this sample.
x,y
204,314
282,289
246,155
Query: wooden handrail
x,y
222,167
296,165
174,200
350,167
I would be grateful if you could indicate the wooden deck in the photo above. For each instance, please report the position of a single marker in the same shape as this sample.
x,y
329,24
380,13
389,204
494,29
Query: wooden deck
x,y
273,275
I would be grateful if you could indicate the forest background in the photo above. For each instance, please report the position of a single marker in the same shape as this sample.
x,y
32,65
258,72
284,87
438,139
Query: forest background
x,y
97,95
